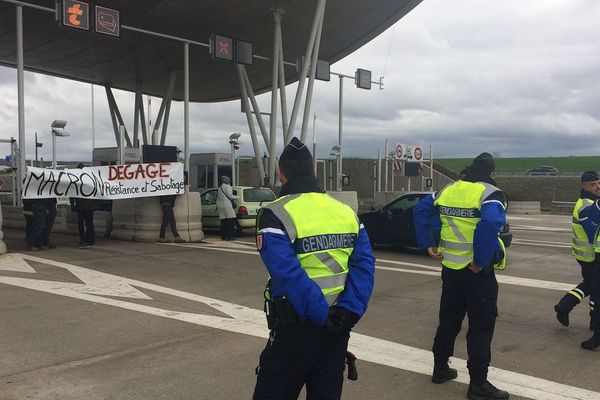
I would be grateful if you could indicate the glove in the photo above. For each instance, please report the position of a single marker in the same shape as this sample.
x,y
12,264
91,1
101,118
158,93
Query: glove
x,y
340,320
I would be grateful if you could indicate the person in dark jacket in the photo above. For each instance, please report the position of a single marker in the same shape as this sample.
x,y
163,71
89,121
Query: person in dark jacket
x,y
167,203
50,218
593,214
584,233
472,212
35,211
85,218
321,272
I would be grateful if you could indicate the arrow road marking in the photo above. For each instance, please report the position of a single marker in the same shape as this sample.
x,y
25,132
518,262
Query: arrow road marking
x,y
251,322
428,270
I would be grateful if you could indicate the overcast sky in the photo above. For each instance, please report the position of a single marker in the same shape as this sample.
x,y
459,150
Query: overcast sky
x,y
515,77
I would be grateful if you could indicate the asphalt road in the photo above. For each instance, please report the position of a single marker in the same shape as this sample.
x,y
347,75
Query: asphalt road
x,y
163,321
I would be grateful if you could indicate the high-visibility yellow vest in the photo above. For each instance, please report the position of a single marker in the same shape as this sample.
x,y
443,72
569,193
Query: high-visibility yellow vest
x,y
459,205
323,232
583,250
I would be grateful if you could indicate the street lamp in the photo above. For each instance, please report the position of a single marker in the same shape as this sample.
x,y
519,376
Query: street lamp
x,y
235,144
337,152
57,130
37,144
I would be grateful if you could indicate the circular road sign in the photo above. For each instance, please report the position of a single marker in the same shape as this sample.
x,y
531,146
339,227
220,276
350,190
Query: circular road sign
x,y
418,153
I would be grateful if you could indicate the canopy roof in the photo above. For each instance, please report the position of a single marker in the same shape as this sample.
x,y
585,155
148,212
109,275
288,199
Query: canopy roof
x,y
87,57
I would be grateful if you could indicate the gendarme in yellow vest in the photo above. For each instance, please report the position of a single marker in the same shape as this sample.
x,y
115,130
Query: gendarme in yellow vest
x,y
323,232
459,205
583,250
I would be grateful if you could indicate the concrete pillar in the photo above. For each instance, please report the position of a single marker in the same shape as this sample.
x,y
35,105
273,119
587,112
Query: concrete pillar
x,y
2,244
139,218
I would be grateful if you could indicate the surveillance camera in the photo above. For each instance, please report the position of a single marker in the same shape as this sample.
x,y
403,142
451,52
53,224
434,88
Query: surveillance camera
x,y
236,146
60,124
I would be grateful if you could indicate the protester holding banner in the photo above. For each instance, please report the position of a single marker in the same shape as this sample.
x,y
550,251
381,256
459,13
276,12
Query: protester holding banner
x,y
85,208
39,213
168,218
225,204
50,217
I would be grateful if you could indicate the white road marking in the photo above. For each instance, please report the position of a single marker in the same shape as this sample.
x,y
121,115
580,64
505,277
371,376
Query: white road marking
x,y
429,270
14,262
94,282
544,242
251,322
538,228
527,242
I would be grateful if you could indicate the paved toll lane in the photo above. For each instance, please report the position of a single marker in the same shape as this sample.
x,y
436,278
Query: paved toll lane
x,y
205,310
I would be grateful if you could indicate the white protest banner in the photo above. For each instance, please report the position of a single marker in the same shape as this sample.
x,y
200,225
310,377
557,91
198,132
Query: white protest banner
x,y
107,182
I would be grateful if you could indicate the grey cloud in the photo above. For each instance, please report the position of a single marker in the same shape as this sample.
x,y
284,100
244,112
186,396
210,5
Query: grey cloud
x,y
515,77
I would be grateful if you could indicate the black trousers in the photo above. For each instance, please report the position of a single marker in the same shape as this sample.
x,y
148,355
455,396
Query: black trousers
x,y
227,226
590,271
85,224
168,218
476,295
37,225
49,224
302,354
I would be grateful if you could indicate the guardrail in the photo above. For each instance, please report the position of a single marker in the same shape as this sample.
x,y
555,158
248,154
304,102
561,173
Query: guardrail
x,y
539,175
563,204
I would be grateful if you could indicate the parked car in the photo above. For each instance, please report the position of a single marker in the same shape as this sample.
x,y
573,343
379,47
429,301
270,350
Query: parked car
x,y
393,223
543,170
249,201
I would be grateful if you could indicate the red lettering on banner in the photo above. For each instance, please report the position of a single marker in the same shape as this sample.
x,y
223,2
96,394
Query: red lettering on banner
x,y
142,171
139,170
152,171
163,172
113,173
126,173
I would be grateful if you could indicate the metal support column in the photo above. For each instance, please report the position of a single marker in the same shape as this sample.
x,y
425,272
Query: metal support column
x,y
136,116
274,82
251,127
13,164
250,94
385,157
431,167
114,110
113,118
311,41
340,131
186,111
311,80
284,113
93,120
379,170
21,102
121,147
163,104
140,106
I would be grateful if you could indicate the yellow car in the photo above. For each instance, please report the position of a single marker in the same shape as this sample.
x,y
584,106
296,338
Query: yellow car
x,y
249,201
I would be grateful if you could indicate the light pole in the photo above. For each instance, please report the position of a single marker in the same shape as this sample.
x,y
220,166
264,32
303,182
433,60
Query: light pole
x,y
37,144
331,154
337,152
57,130
235,144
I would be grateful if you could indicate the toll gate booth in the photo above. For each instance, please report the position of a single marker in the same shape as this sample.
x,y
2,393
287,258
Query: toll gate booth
x,y
110,155
207,168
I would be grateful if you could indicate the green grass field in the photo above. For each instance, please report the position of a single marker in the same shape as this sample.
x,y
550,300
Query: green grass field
x,y
564,164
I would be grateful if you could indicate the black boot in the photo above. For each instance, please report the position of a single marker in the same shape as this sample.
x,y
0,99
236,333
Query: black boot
x,y
443,373
592,342
562,314
485,391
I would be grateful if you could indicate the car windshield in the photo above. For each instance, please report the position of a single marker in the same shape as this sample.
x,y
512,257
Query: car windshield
x,y
258,195
404,204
